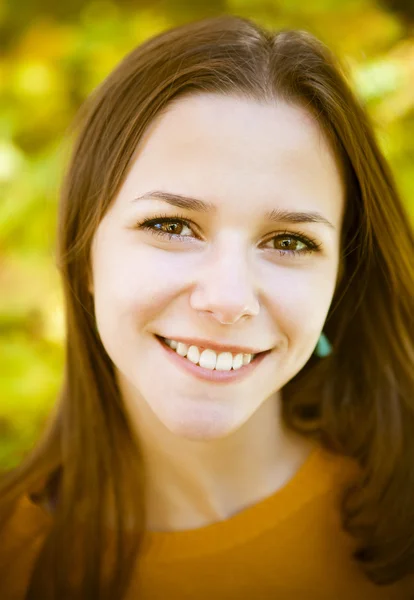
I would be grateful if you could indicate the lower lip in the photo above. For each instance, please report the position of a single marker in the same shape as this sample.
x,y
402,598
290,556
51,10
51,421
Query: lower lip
x,y
212,374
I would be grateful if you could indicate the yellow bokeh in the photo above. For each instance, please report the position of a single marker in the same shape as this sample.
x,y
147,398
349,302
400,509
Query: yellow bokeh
x,y
52,59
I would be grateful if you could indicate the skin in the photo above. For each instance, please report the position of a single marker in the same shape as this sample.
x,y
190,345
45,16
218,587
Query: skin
x,y
210,449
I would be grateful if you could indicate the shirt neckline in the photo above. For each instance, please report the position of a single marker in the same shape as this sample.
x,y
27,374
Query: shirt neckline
x,y
313,478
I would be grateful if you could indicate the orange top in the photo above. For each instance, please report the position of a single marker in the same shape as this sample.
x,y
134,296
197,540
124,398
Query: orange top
x,y
288,546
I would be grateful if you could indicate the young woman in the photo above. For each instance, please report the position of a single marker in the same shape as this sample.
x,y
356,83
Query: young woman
x,y
237,413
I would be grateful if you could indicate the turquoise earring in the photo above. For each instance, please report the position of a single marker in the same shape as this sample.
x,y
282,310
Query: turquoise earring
x,y
323,347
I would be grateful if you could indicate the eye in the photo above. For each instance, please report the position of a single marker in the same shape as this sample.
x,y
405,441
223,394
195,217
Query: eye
x,y
175,228
293,243
178,228
170,227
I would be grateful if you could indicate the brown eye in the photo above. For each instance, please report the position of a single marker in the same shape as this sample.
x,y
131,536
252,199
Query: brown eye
x,y
293,244
170,227
288,243
174,227
177,228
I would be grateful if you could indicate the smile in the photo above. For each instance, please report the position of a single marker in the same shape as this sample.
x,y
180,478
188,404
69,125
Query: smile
x,y
209,365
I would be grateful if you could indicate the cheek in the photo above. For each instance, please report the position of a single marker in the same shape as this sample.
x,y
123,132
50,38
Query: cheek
x,y
133,284
300,298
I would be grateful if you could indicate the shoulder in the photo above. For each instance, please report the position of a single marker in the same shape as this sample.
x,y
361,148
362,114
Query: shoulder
x,y
21,540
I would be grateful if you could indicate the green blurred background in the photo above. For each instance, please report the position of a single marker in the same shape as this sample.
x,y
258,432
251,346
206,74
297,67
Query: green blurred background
x,y
52,56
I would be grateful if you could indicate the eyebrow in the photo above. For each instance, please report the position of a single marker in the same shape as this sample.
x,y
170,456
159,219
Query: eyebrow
x,y
275,215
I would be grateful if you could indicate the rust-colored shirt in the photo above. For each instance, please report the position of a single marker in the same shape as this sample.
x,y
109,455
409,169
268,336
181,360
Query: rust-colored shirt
x,y
288,546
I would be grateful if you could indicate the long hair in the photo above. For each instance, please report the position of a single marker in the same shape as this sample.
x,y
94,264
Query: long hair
x,y
359,401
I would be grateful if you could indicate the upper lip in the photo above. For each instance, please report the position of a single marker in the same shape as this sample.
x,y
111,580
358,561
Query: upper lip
x,y
218,347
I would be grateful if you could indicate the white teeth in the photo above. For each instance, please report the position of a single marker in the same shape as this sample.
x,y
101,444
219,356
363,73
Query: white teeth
x,y
237,361
224,361
193,354
181,349
209,359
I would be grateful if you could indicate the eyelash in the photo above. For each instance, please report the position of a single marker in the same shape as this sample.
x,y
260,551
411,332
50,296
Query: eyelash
x,y
148,224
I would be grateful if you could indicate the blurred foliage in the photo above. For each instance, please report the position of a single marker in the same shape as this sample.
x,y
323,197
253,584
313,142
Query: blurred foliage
x,y
52,56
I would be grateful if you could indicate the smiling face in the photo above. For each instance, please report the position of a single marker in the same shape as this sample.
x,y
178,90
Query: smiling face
x,y
230,270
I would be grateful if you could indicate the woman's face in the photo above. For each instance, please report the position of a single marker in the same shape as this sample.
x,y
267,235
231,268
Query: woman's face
x,y
233,266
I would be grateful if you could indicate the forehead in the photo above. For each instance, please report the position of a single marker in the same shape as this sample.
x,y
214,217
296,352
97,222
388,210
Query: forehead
x,y
230,149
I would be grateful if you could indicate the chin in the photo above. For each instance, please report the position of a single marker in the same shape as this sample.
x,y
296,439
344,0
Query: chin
x,y
203,423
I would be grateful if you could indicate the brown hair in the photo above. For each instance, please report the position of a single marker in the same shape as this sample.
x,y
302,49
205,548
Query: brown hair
x,y
359,401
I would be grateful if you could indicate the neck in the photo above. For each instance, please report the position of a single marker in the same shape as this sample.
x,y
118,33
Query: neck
x,y
190,484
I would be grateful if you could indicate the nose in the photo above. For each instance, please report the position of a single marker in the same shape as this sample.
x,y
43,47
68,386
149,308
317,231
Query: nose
x,y
224,288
